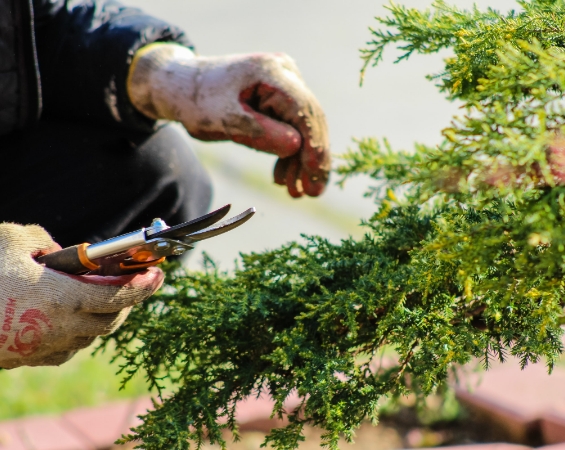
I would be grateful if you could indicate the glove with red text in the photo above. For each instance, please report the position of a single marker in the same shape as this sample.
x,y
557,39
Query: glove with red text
x,y
45,315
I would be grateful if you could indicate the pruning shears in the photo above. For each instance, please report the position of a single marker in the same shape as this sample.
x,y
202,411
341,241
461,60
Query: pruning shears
x,y
137,250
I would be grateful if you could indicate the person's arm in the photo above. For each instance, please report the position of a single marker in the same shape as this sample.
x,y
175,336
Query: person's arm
x,y
85,49
45,315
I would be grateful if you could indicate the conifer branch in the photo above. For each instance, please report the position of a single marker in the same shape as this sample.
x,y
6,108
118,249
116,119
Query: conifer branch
x,y
462,259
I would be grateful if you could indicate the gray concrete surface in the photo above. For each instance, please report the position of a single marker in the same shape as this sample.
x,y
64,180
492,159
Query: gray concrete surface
x,y
323,36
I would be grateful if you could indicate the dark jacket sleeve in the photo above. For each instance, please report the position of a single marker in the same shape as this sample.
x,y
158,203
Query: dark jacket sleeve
x,y
85,49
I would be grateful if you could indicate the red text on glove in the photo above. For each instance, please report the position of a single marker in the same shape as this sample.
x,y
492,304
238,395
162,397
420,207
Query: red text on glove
x,y
29,337
9,315
9,312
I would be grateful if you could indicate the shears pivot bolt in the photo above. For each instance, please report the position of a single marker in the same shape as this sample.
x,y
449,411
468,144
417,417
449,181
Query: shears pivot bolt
x,y
178,250
161,246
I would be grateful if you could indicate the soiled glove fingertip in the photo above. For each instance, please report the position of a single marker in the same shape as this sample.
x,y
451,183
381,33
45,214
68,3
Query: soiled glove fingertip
x,y
295,189
313,186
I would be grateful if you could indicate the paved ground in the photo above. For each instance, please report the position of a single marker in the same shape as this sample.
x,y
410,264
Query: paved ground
x,y
509,406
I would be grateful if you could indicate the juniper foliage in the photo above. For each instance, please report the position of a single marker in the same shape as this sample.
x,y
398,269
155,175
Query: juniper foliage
x,y
462,259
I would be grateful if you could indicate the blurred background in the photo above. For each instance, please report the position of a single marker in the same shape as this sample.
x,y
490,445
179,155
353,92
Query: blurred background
x,y
324,37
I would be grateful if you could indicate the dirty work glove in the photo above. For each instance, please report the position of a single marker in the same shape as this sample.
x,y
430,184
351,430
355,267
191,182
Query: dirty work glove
x,y
259,100
46,316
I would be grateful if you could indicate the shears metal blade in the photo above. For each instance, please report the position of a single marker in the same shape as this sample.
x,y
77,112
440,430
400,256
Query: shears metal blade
x,y
186,228
220,228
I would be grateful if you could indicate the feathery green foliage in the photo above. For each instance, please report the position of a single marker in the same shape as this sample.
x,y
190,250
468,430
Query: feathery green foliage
x,y
463,257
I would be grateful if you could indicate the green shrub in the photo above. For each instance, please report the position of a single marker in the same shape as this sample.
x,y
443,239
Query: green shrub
x,y
462,259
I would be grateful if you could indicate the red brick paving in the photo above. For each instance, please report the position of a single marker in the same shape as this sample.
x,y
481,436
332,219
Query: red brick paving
x,y
554,447
491,447
100,426
517,400
139,408
10,436
520,402
552,426
41,433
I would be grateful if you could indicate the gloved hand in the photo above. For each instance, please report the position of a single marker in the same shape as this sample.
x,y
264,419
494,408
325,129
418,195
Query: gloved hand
x,y
259,100
46,316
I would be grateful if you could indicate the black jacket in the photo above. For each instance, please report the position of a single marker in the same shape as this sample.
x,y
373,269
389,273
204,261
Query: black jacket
x,y
70,59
